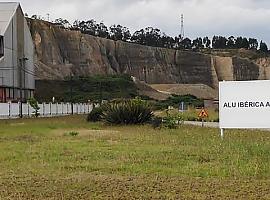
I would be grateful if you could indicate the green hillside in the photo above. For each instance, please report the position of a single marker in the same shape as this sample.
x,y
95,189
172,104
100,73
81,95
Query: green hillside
x,y
88,88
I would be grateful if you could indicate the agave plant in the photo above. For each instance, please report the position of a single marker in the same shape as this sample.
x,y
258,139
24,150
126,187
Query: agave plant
x,y
135,111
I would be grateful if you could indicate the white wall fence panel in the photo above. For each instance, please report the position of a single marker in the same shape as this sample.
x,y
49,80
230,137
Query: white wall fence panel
x,y
4,109
12,110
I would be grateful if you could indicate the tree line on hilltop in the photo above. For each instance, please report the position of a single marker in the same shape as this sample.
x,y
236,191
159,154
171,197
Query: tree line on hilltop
x,y
154,37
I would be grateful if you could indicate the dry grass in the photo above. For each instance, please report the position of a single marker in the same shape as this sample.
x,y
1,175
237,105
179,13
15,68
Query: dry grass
x,y
39,161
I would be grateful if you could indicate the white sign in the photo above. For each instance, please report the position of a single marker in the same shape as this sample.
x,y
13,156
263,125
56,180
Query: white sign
x,y
244,104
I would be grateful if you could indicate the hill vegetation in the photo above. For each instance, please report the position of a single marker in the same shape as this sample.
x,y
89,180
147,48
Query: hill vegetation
x,y
82,89
154,37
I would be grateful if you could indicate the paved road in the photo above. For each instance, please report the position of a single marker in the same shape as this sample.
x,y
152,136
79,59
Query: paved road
x,y
206,124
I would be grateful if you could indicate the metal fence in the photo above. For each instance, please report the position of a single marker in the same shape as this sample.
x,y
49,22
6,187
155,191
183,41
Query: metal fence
x,y
12,110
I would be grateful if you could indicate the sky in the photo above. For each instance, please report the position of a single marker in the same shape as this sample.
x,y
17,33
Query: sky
x,y
247,18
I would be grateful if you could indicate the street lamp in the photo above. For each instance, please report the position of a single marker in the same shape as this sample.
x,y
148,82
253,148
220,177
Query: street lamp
x,y
22,67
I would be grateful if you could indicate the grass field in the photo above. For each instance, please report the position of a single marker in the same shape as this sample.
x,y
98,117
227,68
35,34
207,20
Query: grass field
x,y
40,159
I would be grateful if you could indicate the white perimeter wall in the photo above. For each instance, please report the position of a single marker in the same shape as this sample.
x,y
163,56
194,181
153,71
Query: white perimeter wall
x,y
12,110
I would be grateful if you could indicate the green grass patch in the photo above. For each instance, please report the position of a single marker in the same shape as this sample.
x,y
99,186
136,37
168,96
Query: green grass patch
x,y
39,161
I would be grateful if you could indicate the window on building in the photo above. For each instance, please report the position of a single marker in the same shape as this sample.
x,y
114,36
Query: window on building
x,y
1,46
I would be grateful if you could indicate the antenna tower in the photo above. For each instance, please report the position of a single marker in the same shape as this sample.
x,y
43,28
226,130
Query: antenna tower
x,y
182,34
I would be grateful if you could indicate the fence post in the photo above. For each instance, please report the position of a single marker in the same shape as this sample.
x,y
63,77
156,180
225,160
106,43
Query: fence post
x,y
28,109
43,105
50,108
9,109
20,109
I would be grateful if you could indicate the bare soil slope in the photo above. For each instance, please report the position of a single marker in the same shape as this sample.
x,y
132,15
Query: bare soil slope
x,y
198,90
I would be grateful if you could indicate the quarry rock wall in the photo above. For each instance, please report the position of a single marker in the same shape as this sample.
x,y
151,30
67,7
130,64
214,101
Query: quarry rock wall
x,y
61,53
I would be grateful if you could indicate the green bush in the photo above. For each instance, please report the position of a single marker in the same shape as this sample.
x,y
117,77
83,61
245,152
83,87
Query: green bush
x,y
135,111
170,122
95,115
175,100
34,104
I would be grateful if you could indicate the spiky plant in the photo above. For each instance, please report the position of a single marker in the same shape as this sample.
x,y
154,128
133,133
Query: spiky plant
x,y
135,111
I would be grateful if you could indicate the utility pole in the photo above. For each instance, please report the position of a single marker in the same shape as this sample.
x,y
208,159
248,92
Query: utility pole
x,y
21,67
100,92
71,92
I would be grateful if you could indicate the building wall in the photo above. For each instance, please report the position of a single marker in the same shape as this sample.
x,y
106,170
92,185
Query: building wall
x,y
10,55
29,53
17,45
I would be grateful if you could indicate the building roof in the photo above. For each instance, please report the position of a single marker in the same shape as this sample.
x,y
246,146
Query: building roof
x,y
7,11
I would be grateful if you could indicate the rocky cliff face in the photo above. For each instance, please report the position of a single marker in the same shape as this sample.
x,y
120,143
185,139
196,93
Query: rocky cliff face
x,y
63,52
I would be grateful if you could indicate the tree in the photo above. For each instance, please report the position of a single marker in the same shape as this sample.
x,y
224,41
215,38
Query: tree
x,y
167,41
138,37
62,22
91,27
150,36
219,42
185,44
253,43
241,43
206,42
231,42
245,43
102,30
263,47
118,32
34,17
197,43
76,25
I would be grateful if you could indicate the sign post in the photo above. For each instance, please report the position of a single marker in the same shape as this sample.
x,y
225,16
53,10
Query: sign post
x,y
203,114
222,133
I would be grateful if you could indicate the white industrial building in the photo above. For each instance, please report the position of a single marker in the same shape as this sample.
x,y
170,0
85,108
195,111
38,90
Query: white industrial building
x,y
17,79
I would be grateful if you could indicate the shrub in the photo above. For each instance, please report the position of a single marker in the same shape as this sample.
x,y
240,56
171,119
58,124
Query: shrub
x,y
170,122
191,118
135,111
174,101
95,115
34,104
156,122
